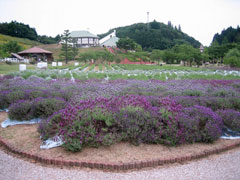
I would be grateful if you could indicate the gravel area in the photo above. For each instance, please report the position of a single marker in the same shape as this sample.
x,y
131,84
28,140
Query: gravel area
x,y
225,166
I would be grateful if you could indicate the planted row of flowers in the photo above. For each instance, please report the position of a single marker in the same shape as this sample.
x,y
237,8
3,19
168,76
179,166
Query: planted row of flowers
x,y
133,118
99,112
140,74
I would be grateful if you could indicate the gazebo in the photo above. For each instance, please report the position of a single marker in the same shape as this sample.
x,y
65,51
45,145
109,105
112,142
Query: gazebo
x,y
37,54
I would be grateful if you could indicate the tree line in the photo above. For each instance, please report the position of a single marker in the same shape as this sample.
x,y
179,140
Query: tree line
x,y
21,30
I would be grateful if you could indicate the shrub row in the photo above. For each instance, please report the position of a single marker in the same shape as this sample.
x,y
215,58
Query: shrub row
x,y
36,108
137,119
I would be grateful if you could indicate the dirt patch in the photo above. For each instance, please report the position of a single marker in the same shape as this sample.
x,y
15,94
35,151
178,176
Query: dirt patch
x,y
26,138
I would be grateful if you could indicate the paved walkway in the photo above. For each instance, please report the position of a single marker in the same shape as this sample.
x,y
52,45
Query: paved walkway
x,y
225,166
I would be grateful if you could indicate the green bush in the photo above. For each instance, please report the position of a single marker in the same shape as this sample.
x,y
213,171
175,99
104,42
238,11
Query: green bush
x,y
44,107
37,108
15,96
49,127
232,58
21,110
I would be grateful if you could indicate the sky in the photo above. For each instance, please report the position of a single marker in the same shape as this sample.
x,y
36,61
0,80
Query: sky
x,y
200,19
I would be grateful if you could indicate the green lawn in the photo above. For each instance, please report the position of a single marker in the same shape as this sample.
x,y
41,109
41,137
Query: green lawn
x,y
7,68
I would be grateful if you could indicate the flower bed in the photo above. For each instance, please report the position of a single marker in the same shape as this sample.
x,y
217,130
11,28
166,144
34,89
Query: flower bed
x,y
97,112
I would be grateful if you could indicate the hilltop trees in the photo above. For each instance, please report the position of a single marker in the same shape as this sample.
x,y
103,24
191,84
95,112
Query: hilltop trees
x,y
224,43
18,30
157,36
230,35
21,30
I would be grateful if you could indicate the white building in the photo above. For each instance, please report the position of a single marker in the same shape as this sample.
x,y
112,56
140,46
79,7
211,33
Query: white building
x,y
109,40
85,38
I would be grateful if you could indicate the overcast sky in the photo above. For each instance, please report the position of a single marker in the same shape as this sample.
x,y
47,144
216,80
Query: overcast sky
x,y
200,19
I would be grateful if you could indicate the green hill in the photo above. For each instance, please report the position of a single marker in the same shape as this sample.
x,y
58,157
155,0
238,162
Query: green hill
x,y
25,43
155,35
230,35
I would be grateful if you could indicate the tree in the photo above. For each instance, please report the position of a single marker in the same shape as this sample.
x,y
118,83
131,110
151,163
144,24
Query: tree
x,y
185,53
154,25
66,47
21,30
74,48
127,44
10,47
179,28
18,30
157,55
232,58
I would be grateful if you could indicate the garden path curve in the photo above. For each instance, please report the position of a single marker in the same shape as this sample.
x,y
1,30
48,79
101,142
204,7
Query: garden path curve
x,y
224,166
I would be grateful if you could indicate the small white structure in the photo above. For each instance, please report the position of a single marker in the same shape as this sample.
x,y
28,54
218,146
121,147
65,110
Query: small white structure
x,y
109,40
22,67
59,63
42,65
54,64
76,64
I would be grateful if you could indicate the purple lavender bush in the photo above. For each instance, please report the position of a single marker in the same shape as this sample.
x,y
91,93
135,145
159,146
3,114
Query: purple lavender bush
x,y
21,110
37,108
201,124
49,127
44,107
231,118
104,121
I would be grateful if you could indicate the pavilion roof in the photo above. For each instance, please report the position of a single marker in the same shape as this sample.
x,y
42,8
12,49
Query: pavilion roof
x,y
35,50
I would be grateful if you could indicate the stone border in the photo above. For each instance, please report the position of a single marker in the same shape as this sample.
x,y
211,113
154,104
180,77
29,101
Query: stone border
x,y
116,166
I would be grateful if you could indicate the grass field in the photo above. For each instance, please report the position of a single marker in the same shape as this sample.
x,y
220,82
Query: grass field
x,y
14,67
25,43
117,71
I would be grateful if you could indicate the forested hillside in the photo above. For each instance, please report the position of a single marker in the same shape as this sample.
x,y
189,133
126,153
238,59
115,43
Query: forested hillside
x,y
155,35
230,35
16,29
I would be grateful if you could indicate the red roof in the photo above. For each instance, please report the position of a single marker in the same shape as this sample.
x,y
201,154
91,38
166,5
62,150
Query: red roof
x,y
35,50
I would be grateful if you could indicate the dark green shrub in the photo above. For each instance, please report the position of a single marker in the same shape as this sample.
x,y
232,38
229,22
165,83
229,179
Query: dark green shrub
x,y
192,93
3,100
44,107
21,110
33,94
15,96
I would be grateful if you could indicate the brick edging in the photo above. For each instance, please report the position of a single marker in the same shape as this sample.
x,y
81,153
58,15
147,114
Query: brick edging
x,y
117,166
